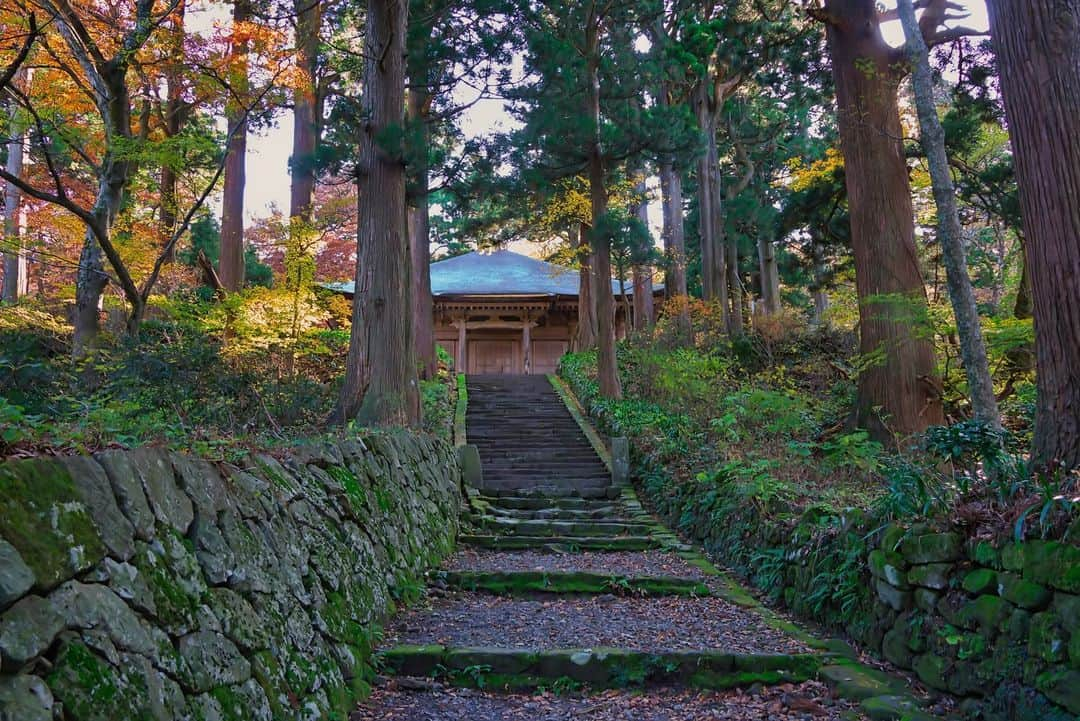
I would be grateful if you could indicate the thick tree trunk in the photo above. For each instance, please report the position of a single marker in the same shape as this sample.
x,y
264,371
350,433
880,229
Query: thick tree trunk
x,y
674,231
231,257
423,307
305,113
770,275
898,391
950,234
603,297
16,277
710,214
380,375
585,336
642,283
174,112
419,238
1037,43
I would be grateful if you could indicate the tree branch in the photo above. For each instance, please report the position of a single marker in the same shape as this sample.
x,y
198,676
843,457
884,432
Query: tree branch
x,y
13,67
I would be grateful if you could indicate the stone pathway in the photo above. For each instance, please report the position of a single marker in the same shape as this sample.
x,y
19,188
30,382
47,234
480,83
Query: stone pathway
x,y
560,606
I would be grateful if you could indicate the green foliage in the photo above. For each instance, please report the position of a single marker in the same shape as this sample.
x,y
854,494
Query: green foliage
x,y
184,383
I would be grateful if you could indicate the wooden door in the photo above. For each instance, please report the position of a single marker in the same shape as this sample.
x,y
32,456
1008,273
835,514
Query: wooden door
x,y
494,356
546,355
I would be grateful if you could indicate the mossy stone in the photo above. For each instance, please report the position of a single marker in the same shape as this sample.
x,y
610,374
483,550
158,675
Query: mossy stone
x,y
985,554
932,548
1047,640
91,689
888,566
1062,686
986,612
893,597
895,647
1053,564
926,599
930,575
16,578
1067,606
932,670
1012,557
1024,594
44,519
894,708
980,581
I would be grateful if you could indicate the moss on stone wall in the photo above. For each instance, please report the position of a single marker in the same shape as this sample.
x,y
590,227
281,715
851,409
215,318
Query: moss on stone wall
x,y
251,592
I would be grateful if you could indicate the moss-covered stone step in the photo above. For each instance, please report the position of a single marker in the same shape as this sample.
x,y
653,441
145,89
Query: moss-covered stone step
x,y
527,582
517,669
564,543
543,527
610,513
542,502
881,697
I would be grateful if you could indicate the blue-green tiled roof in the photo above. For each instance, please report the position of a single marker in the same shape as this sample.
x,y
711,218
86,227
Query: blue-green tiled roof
x,y
499,272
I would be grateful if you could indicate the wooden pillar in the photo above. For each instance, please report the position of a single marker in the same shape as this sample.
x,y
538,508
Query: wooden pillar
x,y
526,347
462,357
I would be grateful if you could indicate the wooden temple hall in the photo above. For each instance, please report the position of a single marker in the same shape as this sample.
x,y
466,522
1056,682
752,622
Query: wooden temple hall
x,y
506,313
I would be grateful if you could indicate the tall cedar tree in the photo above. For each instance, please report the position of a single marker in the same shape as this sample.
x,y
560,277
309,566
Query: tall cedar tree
x,y
584,114
1038,49
950,233
899,392
381,385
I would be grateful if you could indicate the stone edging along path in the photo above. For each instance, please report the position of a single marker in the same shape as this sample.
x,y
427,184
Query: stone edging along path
x,y
566,594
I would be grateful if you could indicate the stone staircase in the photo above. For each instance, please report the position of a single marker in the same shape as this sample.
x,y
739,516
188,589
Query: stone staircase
x,y
567,590
529,443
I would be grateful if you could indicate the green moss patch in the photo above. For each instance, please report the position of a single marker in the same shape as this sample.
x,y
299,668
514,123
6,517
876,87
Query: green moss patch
x,y
527,582
42,517
598,667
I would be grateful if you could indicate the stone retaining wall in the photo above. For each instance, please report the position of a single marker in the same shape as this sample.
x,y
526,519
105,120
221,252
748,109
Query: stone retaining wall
x,y
152,585
968,617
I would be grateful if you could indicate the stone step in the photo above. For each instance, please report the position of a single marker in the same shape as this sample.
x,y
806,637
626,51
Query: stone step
x,y
567,543
523,669
510,583
544,527
529,502
541,489
606,513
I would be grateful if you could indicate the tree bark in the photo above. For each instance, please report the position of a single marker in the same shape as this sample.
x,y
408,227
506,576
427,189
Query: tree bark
x,y
231,257
642,273
950,234
381,385
736,318
585,336
1037,43
305,116
898,390
16,278
174,117
770,275
419,232
603,297
674,231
